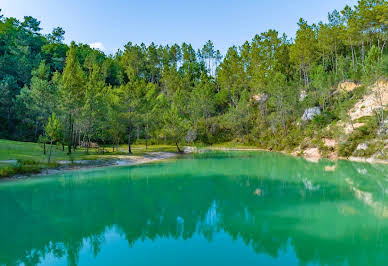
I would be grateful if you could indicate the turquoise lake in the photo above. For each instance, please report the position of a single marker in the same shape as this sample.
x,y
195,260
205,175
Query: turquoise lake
x,y
212,208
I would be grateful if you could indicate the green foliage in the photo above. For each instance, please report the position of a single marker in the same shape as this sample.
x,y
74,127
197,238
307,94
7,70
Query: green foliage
x,y
373,65
53,128
175,94
324,119
359,135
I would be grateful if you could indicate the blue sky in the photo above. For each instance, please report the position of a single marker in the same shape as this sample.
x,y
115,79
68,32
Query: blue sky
x,y
113,23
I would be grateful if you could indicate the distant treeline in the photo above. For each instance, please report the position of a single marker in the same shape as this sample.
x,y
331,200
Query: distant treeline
x,y
50,91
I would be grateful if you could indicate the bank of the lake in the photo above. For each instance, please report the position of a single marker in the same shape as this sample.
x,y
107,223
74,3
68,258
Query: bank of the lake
x,y
23,159
312,157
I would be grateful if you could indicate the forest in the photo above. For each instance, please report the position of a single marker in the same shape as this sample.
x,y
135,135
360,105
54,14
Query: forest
x,y
73,95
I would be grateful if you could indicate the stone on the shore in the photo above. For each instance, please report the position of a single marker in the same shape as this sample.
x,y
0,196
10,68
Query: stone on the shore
x,y
189,149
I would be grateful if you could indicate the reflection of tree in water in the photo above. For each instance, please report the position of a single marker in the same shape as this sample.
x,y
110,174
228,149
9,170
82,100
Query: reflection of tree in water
x,y
269,210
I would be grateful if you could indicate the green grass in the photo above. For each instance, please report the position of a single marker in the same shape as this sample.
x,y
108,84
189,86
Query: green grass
x,y
27,157
16,150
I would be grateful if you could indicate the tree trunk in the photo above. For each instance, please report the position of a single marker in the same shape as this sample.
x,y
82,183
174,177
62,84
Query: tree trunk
x,y
36,130
74,138
354,66
363,55
336,56
9,120
70,136
129,140
146,133
177,146
79,137
51,147
63,141
382,50
284,123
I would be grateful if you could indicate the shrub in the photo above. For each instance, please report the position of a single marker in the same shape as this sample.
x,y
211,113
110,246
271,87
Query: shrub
x,y
324,119
359,135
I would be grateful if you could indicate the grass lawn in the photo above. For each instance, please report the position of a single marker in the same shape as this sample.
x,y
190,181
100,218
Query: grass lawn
x,y
24,157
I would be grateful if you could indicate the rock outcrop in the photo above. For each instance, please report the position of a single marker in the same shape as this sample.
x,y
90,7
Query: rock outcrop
x,y
362,146
312,154
377,97
310,113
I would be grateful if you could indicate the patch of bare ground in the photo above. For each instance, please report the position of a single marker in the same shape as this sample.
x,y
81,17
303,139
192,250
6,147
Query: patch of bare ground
x,y
377,97
347,86
312,154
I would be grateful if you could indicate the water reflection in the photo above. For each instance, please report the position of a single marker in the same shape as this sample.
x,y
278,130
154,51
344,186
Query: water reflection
x,y
274,204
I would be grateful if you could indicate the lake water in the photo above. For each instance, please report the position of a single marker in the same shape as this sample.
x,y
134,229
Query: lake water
x,y
215,208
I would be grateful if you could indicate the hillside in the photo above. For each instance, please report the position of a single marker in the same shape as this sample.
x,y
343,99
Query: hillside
x,y
361,134
322,93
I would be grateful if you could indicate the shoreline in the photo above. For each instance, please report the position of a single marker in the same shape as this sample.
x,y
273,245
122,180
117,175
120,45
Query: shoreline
x,y
108,161
128,160
308,158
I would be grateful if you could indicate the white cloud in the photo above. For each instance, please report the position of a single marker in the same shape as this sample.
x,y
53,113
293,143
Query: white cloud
x,y
97,45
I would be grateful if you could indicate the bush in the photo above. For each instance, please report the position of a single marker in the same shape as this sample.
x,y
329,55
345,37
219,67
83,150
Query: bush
x,y
24,167
27,162
19,170
324,119
359,135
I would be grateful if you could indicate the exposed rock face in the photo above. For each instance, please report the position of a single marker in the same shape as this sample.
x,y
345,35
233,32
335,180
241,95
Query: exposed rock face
x,y
312,154
347,86
302,95
331,143
348,127
362,146
310,113
372,101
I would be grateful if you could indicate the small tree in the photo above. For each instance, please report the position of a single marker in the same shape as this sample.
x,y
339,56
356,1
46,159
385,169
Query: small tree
x,y
175,127
53,131
373,65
